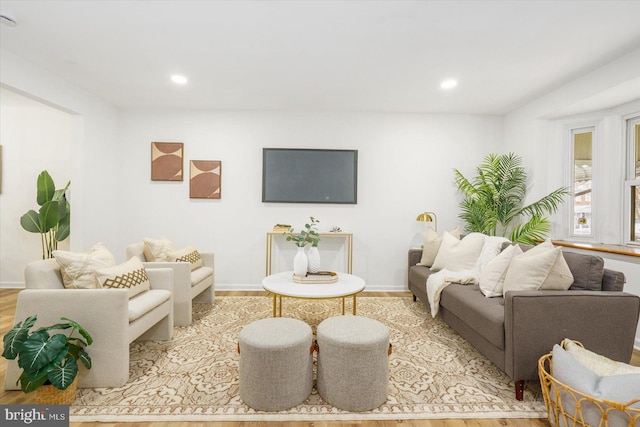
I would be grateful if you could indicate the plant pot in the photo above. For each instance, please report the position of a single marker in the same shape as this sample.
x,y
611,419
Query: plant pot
x,y
49,395
314,259
300,263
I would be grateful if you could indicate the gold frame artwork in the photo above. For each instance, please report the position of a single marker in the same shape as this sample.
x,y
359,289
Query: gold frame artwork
x,y
205,179
167,160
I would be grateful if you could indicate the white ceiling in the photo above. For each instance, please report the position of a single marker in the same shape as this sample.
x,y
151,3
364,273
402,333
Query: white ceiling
x,y
385,56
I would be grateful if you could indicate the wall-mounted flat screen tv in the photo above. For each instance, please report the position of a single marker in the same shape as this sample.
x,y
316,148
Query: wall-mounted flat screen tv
x,y
294,175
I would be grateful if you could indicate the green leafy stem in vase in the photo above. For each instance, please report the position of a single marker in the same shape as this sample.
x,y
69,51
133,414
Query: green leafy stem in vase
x,y
308,235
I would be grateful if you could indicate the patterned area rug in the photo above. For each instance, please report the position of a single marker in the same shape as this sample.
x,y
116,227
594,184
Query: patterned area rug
x,y
434,373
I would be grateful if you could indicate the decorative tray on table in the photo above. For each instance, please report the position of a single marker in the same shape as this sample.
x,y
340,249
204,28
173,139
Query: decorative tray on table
x,y
319,277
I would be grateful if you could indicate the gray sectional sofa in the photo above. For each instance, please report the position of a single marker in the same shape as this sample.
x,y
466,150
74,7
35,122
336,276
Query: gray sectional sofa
x,y
514,331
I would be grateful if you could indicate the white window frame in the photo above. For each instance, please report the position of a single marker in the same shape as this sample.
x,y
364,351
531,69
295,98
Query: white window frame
x,y
630,121
570,130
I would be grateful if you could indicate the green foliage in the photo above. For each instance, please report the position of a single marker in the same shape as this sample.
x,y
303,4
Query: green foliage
x,y
45,357
493,201
308,235
53,220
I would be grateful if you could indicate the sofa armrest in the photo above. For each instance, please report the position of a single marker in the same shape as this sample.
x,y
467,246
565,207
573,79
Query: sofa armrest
x,y
605,322
414,257
104,313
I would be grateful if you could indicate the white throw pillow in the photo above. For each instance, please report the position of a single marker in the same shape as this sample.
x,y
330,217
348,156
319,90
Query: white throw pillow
x,y
542,267
130,275
490,249
492,275
186,254
78,269
457,255
614,388
431,245
528,271
560,277
596,363
157,249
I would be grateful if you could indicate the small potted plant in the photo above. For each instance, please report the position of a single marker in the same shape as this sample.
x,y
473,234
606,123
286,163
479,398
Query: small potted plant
x,y
49,358
308,235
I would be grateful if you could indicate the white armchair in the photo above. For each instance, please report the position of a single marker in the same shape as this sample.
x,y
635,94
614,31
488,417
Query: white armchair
x,y
113,320
197,286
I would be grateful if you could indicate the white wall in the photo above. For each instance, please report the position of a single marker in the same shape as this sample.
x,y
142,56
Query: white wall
x,y
93,163
535,131
405,167
27,150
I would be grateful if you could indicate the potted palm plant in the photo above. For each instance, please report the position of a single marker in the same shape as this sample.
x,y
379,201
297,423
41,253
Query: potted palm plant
x,y
48,358
493,202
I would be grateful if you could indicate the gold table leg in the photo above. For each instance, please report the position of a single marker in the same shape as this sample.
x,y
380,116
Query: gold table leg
x,y
280,305
354,305
274,305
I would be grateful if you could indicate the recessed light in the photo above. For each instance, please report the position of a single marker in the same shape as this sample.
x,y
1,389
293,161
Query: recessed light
x,y
449,84
179,79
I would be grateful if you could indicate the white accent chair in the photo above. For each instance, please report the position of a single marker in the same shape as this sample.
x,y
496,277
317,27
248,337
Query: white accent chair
x,y
196,286
113,320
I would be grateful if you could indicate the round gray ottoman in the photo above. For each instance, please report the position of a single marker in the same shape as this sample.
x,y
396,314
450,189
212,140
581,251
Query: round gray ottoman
x,y
353,362
276,363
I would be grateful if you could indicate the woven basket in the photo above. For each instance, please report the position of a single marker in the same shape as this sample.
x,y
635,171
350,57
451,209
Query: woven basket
x,y
565,405
49,395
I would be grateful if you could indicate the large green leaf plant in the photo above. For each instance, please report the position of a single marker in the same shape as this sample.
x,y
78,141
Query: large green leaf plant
x,y
493,202
53,219
47,358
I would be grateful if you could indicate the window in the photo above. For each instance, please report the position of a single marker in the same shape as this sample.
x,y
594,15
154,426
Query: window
x,y
633,179
582,148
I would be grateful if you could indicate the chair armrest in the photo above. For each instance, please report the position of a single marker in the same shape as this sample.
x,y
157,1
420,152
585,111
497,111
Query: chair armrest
x,y
160,278
207,259
104,313
605,322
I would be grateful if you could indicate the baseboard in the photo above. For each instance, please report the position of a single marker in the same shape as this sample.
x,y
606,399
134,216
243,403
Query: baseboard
x,y
11,285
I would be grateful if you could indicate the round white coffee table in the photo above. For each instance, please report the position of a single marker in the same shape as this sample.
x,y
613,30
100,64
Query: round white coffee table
x,y
282,285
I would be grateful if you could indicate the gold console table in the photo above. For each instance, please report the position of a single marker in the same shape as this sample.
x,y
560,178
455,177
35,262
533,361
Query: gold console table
x,y
346,236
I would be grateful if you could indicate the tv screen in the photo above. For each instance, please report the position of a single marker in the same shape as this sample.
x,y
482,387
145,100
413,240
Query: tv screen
x,y
293,175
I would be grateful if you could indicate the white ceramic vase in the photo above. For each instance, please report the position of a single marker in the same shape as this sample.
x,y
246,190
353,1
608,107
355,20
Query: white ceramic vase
x,y
300,263
314,259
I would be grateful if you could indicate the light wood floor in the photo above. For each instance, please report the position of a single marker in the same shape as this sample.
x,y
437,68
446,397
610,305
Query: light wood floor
x,y
7,310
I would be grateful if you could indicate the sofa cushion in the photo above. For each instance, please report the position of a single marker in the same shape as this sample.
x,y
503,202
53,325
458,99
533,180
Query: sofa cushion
x,y
587,271
484,315
78,269
144,302
419,274
129,275
187,254
457,255
199,274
